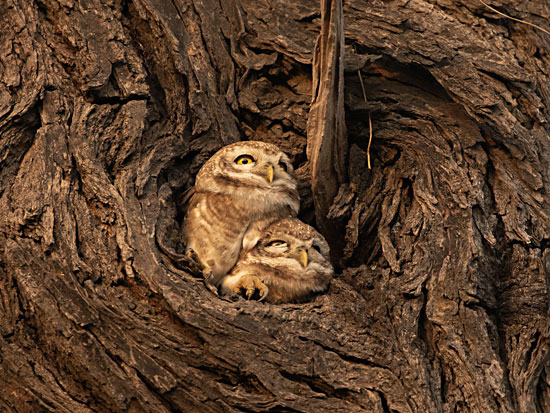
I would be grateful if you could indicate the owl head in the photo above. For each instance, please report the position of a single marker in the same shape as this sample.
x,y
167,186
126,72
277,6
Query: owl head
x,y
253,171
292,259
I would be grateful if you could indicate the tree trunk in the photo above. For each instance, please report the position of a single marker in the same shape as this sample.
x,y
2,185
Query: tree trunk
x,y
109,108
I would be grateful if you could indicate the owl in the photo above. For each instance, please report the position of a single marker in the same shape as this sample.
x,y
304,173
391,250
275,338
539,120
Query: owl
x,y
240,190
289,263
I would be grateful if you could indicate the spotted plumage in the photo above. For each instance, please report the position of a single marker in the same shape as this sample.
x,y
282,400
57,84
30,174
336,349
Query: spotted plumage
x,y
240,190
289,263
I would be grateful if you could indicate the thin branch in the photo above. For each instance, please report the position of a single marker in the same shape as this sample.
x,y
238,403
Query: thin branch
x,y
513,18
370,140
362,86
370,120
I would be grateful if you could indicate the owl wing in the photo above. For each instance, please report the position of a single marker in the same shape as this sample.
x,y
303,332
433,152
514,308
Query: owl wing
x,y
255,231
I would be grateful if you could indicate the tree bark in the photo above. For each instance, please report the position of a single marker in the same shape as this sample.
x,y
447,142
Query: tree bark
x,y
109,108
326,128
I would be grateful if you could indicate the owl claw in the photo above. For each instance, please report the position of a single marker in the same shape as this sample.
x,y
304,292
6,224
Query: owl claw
x,y
192,255
264,294
250,293
189,261
250,284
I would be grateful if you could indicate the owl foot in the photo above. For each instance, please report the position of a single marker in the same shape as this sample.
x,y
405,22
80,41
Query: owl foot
x,y
191,254
207,277
188,262
191,262
250,284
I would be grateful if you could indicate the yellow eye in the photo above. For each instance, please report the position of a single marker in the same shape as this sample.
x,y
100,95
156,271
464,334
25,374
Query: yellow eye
x,y
244,160
277,243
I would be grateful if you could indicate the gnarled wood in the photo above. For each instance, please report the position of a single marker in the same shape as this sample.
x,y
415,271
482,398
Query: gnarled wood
x,y
108,109
327,144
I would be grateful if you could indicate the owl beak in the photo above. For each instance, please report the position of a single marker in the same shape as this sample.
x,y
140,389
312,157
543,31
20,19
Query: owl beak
x,y
302,257
269,173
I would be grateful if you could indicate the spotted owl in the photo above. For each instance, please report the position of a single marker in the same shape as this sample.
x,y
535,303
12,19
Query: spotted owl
x,y
240,190
289,263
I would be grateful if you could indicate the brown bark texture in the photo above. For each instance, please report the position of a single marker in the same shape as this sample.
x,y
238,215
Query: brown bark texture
x,y
108,108
326,130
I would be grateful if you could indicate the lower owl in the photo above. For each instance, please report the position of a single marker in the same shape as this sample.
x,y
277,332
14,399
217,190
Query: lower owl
x,y
288,264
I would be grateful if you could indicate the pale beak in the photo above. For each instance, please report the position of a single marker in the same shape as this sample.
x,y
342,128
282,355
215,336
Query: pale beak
x,y
269,173
302,257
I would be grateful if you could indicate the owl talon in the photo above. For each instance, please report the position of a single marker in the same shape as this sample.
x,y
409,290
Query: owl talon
x,y
207,278
264,294
192,255
250,284
189,261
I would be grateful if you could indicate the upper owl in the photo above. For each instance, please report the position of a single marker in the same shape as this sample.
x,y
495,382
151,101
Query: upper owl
x,y
241,189
289,263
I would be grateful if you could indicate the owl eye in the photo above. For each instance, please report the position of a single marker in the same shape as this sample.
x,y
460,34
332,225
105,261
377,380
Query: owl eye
x,y
277,243
244,160
283,166
317,248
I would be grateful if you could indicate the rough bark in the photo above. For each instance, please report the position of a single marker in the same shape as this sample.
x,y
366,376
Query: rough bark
x,y
326,127
108,109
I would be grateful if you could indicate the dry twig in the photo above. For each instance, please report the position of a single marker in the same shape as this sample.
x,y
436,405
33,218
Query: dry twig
x,y
370,120
513,18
